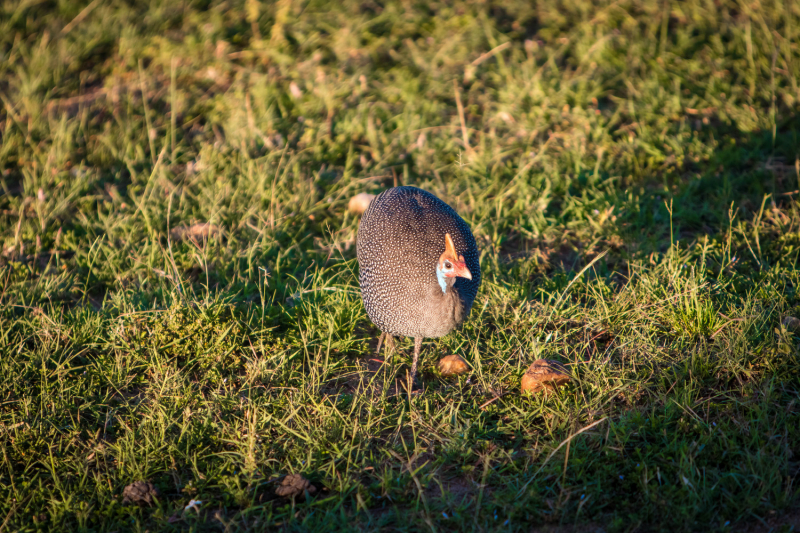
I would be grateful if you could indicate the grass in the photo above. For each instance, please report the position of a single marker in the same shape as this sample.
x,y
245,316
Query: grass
x,y
212,360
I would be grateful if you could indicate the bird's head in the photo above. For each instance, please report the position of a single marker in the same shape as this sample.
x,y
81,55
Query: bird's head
x,y
451,264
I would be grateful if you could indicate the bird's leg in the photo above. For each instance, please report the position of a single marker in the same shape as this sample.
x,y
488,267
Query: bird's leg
x,y
388,342
388,345
417,349
380,343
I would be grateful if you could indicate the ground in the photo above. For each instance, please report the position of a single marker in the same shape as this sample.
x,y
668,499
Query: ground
x,y
179,299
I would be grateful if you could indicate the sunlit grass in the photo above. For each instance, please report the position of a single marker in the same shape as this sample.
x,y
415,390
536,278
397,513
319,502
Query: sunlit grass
x,y
178,286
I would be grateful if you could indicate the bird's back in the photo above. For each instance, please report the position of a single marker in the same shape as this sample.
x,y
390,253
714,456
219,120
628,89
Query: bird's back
x,y
400,240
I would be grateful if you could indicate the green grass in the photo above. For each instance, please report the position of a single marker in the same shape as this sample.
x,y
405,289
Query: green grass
x,y
664,133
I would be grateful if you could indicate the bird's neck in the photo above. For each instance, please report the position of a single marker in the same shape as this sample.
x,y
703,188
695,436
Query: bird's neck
x,y
447,304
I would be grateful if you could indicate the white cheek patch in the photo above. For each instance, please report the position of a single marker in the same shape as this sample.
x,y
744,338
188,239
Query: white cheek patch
x,y
440,277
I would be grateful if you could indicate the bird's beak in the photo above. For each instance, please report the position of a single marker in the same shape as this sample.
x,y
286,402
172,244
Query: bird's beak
x,y
461,269
464,273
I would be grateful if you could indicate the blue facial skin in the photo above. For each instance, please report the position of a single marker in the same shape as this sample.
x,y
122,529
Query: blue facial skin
x,y
441,278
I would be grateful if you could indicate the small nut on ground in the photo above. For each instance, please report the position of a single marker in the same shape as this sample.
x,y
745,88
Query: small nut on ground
x,y
140,493
359,203
452,365
791,323
544,375
294,485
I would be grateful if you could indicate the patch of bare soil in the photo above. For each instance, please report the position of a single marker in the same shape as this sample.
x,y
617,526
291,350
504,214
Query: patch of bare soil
x,y
456,490
372,372
371,377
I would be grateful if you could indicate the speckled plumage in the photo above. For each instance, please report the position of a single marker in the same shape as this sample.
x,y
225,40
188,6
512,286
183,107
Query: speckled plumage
x,y
400,240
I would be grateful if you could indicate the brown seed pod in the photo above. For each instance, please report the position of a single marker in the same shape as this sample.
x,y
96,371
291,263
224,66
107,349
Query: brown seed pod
x,y
453,365
294,485
544,375
359,203
139,493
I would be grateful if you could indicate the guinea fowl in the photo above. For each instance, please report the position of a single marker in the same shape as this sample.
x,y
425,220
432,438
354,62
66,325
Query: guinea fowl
x,y
419,268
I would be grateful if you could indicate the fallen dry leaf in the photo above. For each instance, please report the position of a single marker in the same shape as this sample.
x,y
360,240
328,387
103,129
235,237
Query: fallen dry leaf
x,y
140,493
791,323
544,375
195,232
294,485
